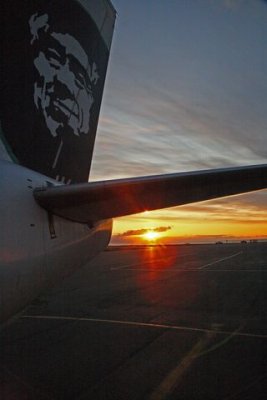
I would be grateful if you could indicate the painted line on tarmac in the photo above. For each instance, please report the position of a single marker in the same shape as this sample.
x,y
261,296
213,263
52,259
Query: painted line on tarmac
x,y
194,270
136,264
123,266
174,377
220,260
144,325
133,266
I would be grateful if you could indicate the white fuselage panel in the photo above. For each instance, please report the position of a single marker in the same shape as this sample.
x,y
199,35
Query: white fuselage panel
x,y
37,249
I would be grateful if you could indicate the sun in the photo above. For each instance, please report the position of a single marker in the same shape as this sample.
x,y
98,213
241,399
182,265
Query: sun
x,y
151,236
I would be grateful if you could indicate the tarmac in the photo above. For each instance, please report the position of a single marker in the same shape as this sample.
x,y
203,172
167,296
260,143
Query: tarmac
x,y
153,322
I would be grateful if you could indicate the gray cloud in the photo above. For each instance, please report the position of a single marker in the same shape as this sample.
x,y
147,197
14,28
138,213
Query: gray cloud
x,y
163,135
245,209
138,232
195,100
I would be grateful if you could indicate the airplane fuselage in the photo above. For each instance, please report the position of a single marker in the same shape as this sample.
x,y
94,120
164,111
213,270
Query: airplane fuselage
x,y
36,248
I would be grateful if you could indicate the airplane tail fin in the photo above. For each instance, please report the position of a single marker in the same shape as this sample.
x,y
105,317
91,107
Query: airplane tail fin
x,y
54,61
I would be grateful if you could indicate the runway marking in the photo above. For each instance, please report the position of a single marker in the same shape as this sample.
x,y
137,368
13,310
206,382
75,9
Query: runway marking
x,y
135,264
171,381
146,325
193,270
220,260
123,266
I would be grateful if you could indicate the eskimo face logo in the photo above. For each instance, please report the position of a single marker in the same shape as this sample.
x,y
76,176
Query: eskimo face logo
x,y
65,78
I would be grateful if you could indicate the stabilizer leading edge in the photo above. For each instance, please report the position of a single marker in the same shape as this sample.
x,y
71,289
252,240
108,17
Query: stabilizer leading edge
x,y
115,198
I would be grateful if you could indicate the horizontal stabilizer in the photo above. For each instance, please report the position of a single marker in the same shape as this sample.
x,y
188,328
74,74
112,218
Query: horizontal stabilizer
x,y
90,202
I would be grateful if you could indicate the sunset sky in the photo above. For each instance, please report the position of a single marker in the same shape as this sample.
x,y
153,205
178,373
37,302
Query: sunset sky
x,y
186,89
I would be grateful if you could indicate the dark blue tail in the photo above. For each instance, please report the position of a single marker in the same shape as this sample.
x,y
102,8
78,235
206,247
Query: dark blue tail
x,y
54,61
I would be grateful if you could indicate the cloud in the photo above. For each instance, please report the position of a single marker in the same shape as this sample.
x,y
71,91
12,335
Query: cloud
x,y
196,102
162,132
246,208
196,99
232,3
138,232
237,4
